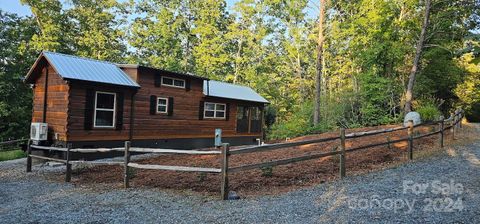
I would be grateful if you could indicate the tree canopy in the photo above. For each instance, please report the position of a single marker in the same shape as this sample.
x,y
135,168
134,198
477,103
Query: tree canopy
x,y
269,45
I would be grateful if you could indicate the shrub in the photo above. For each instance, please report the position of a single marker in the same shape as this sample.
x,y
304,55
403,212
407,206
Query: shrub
x,y
267,171
297,124
270,115
372,115
473,113
377,99
429,112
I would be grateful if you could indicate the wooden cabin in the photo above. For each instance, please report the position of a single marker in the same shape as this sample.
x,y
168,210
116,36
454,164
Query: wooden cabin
x,y
91,103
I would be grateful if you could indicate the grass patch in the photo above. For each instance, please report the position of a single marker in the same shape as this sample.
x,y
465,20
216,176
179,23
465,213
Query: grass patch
x,y
14,154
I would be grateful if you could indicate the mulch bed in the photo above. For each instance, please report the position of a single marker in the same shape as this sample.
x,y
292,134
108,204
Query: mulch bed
x,y
257,182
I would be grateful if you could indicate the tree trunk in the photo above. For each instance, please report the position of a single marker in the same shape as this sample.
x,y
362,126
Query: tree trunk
x,y
299,72
418,53
319,65
237,63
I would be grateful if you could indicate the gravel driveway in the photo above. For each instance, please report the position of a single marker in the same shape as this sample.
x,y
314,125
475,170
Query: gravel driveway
x,y
441,189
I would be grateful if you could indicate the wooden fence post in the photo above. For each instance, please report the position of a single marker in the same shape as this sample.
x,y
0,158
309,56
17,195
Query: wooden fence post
x,y
342,155
410,140
29,159
454,120
442,125
225,154
126,173
461,118
68,173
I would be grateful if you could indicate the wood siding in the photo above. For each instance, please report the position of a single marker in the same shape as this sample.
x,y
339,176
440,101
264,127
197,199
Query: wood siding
x,y
56,103
66,105
76,118
132,72
185,122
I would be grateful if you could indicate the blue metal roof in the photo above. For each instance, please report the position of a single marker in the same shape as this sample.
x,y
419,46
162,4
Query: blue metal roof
x,y
85,69
231,91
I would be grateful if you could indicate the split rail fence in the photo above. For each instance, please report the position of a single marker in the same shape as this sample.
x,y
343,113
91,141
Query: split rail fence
x,y
12,144
224,153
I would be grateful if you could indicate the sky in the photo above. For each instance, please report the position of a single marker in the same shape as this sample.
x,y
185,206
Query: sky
x,y
14,6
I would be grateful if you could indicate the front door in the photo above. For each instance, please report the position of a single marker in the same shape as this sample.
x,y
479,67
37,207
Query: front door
x,y
249,119
255,120
242,119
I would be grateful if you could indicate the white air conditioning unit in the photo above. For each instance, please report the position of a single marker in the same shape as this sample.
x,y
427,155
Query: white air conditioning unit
x,y
39,131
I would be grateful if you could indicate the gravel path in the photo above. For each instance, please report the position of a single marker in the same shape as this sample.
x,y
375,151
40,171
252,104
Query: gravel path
x,y
377,197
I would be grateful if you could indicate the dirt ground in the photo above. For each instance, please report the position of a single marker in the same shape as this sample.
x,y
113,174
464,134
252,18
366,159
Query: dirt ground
x,y
281,178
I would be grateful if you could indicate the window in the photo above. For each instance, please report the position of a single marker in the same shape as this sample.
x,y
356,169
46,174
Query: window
x,y
214,110
162,105
242,113
256,113
104,116
167,81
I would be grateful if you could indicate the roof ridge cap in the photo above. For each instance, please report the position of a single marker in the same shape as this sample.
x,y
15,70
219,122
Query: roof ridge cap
x,y
228,83
79,57
167,70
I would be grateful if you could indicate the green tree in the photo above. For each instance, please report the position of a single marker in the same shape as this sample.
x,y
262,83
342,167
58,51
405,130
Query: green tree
x,y
96,31
418,54
247,34
210,50
88,28
271,46
158,37
54,33
186,36
319,61
468,91
16,57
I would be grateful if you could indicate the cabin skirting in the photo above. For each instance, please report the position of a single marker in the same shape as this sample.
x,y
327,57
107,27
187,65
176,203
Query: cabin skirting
x,y
180,143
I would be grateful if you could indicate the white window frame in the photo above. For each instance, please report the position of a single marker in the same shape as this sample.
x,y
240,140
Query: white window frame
x,y
173,82
215,110
104,109
166,105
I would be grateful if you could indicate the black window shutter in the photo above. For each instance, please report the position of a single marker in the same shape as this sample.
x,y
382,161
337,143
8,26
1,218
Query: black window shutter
x,y
170,106
158,80
119,115
200,110
187,84
153,104
89,107
227,111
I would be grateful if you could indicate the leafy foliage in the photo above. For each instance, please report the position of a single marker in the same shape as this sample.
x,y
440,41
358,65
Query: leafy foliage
x,y
85,28
297,124
15,59
468,91
268,45
428,111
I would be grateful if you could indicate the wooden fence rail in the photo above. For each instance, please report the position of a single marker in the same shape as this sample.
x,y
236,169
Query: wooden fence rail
x,y
12,144
127,164
225,153
268,147
455,120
